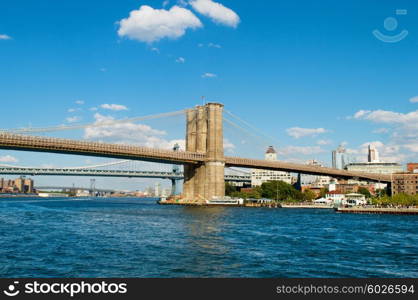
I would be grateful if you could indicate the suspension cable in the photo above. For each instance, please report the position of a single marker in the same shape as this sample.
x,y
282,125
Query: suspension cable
x,y
246,131
270,138
94,125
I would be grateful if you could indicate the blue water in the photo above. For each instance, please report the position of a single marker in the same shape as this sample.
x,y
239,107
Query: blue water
x,y
137,238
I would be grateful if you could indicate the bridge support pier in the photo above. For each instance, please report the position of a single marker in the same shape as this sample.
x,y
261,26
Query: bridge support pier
x,y
298,184
205,135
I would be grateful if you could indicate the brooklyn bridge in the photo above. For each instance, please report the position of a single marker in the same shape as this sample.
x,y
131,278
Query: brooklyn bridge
x,y
204,158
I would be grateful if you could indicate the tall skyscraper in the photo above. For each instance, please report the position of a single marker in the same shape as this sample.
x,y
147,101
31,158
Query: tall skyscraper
x,y
340,158
373,154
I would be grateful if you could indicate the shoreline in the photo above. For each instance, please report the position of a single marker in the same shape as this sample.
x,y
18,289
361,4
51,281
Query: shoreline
x,y
196,204
378,210
306,206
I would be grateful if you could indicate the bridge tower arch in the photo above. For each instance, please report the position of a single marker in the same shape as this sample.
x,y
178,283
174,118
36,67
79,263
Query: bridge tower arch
x,y
204,135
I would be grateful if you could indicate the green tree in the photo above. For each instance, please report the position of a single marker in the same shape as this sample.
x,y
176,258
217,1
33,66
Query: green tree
x,y
230,189
382,193
365,192
323,192
280,191
309,195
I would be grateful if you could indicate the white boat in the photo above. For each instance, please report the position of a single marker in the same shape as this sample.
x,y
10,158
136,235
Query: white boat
x,y
226,201
53,195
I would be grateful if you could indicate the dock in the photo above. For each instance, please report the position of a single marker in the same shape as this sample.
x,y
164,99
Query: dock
x,y
307,206
202,204
378,210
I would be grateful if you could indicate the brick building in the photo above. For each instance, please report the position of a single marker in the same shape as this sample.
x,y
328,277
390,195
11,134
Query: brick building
x,y
412,167
405,183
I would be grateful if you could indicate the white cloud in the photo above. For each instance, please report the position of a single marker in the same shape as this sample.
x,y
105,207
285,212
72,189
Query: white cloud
x,y
71,110
324,142
304,150
229,146
297,132
182,3
414,100
212,45
388,152
80,102
150,25
404,128
413,147
217,12
181,60
381,131
361,113
5,37
8,159
115,107
73,119
209,75
130,133
389,117
165,3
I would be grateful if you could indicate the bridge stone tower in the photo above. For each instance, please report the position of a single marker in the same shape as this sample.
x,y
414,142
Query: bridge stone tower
x,y
205,135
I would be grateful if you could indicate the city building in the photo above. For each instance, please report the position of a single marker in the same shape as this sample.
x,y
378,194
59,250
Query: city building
x,y
340,158
336,197
28,186
345,187
405,183
354,199
316,181
373,165
20,185
412,167
376,168
157,190
373,156
258,177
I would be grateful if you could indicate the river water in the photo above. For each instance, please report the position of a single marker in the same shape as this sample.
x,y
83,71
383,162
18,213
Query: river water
x,y
138,238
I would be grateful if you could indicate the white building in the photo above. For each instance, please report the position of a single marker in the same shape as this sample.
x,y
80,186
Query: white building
x,y
258,177
336,198
340,158
355,200
373,155
376,168
317,181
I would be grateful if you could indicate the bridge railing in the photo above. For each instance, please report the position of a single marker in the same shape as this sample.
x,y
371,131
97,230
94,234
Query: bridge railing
x,y
25,142
304,169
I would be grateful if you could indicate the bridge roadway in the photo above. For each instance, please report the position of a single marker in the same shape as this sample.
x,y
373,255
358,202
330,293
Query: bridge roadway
x,y
64,146
9,170
48,188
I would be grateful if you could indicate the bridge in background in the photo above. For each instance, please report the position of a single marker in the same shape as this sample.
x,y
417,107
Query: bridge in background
x,y
68,188
30,171
204,160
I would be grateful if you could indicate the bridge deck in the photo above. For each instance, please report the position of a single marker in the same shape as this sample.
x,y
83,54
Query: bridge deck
x,y
303,169
106,173
65,146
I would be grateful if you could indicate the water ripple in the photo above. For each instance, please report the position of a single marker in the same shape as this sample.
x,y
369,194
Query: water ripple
x,y
137,238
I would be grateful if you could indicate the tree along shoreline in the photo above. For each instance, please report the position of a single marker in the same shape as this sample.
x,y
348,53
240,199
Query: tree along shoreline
x,y
282,192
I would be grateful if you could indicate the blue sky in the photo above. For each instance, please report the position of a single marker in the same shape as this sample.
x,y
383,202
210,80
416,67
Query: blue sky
x,y
311,74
